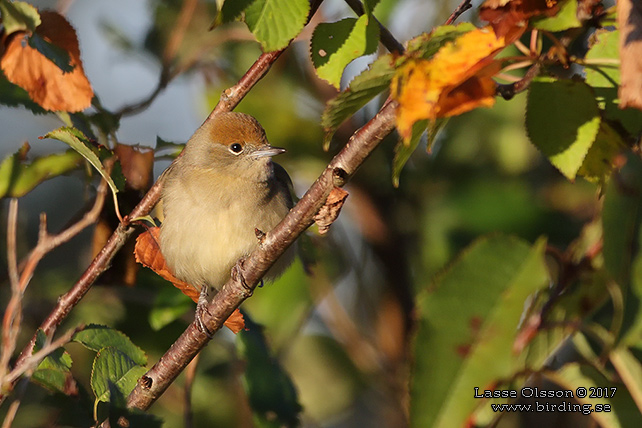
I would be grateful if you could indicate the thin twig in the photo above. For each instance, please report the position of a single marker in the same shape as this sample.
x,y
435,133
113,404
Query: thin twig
x,y
463,7
13,313
251,270
509,90
387,39
32,361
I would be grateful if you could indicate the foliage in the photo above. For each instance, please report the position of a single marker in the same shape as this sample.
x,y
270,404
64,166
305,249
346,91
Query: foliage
x,y
503,259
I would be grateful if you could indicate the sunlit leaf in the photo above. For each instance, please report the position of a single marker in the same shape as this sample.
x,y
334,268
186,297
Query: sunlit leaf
x,y
564,19
334,45
18,16
468,321
96,337
46,83
276,22
458,78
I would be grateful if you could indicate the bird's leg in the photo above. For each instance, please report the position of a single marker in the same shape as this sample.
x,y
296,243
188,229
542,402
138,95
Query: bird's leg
x,y
201,309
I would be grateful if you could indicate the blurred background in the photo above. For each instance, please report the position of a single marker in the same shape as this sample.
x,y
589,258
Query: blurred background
x,y
341,330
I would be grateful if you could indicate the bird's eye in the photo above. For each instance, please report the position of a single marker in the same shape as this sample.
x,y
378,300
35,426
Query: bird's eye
x,y
236,148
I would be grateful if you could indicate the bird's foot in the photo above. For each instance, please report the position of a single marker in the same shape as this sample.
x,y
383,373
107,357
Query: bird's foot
x,y
201,310
237,276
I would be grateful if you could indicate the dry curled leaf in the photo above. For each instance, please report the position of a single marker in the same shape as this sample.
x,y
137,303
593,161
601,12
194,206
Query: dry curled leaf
x,y
509,17
147,252
330,210
45,82
629,19
457,79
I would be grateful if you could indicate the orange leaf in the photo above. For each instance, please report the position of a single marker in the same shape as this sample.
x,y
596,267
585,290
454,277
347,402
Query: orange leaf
x,y
46,84
509,17
147,252
457,79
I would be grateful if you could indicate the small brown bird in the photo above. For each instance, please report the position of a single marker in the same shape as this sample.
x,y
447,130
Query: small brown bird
x,y
214,197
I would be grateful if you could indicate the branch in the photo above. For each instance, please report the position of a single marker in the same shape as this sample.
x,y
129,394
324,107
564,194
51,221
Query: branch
x,y
248,272
509,90
463,7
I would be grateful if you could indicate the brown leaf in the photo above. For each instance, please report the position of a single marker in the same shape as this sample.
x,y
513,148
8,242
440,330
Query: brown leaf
x,y
629,20
330,211
509,17
45,82
147,252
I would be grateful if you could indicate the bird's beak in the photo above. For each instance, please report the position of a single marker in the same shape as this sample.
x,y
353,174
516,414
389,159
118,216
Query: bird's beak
x,y
267,151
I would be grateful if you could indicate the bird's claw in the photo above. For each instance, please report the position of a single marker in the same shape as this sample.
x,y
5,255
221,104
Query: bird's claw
x,y
201,309
237,276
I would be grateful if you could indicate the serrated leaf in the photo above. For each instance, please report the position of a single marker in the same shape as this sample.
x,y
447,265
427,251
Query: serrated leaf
x,y
565,18
55,54
270,390
77,141
231,10
334,45
468,321
369,6
113,367
97,337
427,44
275,22
364,87
562,121
605,80
53,372
599,161
18,178
18,16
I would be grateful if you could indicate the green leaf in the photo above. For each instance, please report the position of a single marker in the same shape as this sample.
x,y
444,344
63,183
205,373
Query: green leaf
x,y
562,120
170,304
231,10
18,178
362,89
369,6
426,45
621,217
112,367
622,410
97,337
404,150
53,372
335,45
55,54
468,321
598,164
630,371
605,80
18,16
77,141
270,390
564,19
275,22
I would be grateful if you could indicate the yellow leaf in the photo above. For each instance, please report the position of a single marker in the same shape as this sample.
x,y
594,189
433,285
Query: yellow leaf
x,y
457,79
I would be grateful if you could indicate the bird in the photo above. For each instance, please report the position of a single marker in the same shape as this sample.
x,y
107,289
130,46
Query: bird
x,y
216,197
